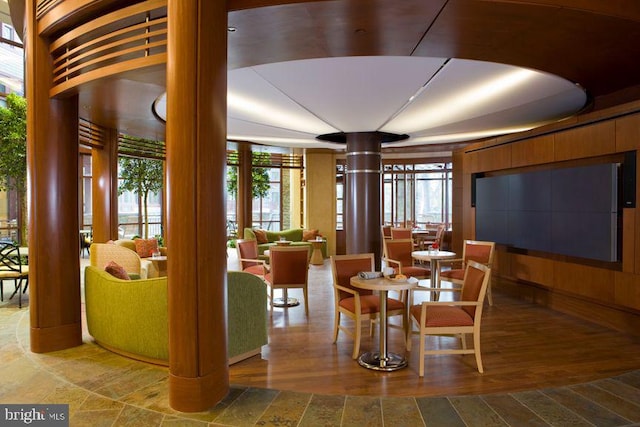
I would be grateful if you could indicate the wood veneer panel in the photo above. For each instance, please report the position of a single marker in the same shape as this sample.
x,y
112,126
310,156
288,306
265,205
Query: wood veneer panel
x,y
532,269
532,151
627,290
586,141
494,158
585,281
628,133
629,241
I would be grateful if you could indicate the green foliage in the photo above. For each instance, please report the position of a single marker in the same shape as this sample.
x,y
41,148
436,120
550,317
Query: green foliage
x,y
259,176
141,176
13,145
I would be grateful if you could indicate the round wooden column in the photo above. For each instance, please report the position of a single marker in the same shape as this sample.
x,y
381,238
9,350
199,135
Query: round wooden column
x,y
362,193
52,163
196,158
104,165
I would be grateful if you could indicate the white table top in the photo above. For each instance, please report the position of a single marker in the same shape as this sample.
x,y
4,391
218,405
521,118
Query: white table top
x,y
382,284
429,255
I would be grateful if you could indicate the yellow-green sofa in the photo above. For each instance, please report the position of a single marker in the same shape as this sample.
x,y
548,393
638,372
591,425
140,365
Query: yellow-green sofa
x,y
294,235
130,317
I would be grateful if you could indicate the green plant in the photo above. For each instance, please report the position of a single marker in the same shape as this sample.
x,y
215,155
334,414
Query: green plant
x,y
260,182
141,176
13,152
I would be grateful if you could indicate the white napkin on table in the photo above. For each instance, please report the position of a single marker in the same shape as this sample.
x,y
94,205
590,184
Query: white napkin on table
x,y
369,274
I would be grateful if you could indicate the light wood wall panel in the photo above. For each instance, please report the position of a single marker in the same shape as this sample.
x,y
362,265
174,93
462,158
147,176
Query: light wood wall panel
x,y
532,269
532,151
494,158
591,282
627,290
630,241
628,133
587,141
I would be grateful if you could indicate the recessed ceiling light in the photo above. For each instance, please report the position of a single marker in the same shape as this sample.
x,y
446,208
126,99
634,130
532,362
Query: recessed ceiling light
x,y
231,29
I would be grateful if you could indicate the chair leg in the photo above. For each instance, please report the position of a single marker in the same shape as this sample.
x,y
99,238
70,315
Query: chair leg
x,y
476,350
336,323
489,296
306,301
421,370
1,290
356,338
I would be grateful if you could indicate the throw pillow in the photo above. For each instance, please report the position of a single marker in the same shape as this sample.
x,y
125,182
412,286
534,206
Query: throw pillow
x,y
309,235
116,270
261,236
146,247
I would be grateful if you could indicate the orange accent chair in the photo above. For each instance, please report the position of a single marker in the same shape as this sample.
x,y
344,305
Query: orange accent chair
x,y
358,304
474,250
397,254
454,317
289,270
401,233
248,257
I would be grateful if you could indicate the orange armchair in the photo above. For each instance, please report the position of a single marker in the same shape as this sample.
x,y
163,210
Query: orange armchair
x,y
357,304
397,254
248,257
289,269
474,250
454,317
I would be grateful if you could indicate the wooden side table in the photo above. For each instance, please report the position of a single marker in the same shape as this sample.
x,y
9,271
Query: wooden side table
x,y
316,254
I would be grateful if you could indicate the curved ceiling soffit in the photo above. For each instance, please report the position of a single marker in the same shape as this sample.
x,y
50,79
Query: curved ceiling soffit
x,y
433,100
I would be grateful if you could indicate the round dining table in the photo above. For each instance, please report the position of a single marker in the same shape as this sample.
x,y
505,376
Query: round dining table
x,y
382,360
434,257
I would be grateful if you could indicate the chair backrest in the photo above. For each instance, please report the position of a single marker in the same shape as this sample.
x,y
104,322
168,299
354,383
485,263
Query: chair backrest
x,y
401,233
478,251
289,264
474,286
439,235
399,250
386,232
344,267
102,253
10,261
247,249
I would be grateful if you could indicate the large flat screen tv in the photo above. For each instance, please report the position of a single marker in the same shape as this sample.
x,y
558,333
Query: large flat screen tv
x,y
568,211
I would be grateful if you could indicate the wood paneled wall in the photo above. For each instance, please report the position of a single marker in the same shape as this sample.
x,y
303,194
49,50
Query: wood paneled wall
x,y
609,296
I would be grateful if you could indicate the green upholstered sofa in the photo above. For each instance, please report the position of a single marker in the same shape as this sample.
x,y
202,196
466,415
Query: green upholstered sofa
x,y
294,235
130,317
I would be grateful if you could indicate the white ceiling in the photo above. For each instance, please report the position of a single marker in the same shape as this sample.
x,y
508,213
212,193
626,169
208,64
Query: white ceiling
x,y
433,100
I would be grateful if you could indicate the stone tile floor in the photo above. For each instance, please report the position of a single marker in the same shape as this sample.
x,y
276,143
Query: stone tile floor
x,y
102,388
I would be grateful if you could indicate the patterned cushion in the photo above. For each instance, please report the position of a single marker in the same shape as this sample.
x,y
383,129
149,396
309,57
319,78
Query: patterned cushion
x,y
443,315
309,235
146,247
116,270
261,236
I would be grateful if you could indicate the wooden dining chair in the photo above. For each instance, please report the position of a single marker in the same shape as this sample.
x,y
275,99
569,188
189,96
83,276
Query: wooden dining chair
x,y
397,254
401,233
12,268
359,305
461,317
248,257
289,269
473,250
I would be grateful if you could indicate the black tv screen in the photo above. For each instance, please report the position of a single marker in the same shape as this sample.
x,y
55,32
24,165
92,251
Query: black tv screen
x,y
568,211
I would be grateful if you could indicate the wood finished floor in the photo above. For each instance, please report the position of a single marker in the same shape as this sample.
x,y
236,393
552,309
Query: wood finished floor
x,y
524,347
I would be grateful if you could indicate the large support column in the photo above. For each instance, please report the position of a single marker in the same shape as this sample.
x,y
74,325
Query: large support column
x,y
362,193
52,163
196,147
245,188
104,169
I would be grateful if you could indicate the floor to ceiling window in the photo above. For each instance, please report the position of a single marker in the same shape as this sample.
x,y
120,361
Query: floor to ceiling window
x,y
414,193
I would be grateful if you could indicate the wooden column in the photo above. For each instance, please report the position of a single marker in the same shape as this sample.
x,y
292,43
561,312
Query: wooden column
x,y
104,184
362,193
196,147
52,163
245,188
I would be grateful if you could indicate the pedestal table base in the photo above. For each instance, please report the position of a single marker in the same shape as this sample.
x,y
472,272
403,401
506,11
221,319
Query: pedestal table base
x,y
371,360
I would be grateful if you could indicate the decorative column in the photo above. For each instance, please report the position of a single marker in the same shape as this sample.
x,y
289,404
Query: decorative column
x,y
196,147
362,193
104,184
245,188
52,164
